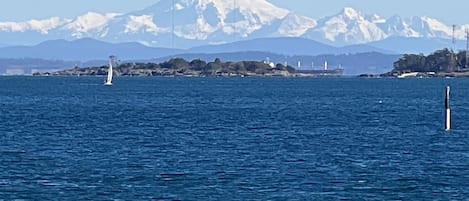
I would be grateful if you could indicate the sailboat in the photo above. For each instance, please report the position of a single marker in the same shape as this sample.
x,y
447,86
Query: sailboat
x,y
108,81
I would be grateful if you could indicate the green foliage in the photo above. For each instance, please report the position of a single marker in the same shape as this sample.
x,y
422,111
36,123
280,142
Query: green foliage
x,y
176,63
198,64
440,61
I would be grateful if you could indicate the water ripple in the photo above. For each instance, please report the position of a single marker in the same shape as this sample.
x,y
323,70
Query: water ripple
x,y
65,138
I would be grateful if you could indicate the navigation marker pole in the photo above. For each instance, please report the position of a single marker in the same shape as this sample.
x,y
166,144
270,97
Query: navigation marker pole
x,y
448,111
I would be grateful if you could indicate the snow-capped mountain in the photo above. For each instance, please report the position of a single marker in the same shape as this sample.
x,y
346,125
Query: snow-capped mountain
x,y
189,23
425,27
348,27
353,27
213,21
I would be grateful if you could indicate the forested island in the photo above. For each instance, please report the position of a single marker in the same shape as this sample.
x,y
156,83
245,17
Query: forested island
x,y
443,62
181,67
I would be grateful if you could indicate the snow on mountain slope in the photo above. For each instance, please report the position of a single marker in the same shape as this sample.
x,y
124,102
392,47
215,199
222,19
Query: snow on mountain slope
x,y
375,18
142,22
41,26
437,29
425,27
348,27
352,27
259,11
437,26
188,23
198,19
89,22
396,26
294,25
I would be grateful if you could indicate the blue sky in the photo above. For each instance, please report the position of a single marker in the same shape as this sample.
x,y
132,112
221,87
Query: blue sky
x,y
449,11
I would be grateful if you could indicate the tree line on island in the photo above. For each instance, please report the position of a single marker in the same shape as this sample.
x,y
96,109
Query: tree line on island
x,y
441,62
181,67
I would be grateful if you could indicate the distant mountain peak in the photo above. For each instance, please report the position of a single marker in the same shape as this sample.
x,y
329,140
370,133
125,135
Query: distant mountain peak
x,y
351,13
375,18
217,20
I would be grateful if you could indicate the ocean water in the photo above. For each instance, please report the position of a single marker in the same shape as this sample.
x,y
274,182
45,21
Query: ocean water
x,y
71,138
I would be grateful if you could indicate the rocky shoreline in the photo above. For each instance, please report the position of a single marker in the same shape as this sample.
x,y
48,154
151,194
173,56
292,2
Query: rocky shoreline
x,y
160,72
460,73
180,67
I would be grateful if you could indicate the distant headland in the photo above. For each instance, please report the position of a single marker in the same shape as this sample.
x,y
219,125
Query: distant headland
x,y
441,63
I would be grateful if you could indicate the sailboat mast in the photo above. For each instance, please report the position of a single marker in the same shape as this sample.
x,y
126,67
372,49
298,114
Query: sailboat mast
x,y
172,25
467,47
452,59
234,20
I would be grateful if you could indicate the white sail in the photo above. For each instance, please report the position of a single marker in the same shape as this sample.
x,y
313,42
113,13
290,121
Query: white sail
x,y
109,72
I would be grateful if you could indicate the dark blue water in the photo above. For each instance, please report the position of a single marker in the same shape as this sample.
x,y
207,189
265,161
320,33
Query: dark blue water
x,y
71,138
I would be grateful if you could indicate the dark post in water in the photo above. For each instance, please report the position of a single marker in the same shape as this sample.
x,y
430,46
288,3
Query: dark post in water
x,y
448,111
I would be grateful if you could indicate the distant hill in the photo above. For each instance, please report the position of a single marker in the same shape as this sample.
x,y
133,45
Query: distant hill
x,y
84,50
412,45
91,49
286,46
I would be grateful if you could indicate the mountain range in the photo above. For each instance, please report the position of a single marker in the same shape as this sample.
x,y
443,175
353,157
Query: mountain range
x,y
91,49
191,23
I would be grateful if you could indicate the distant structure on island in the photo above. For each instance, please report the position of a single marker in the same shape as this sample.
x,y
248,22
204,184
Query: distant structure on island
x,y
324,72
441,63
